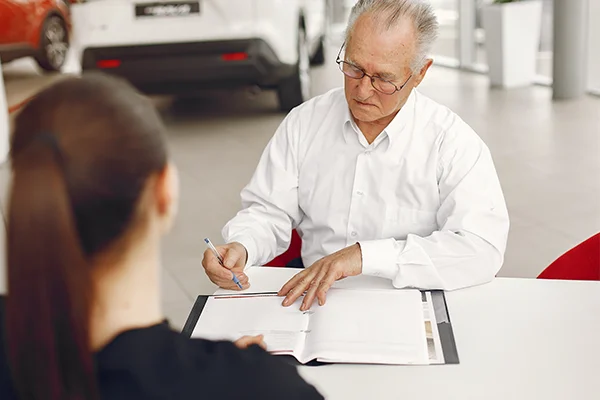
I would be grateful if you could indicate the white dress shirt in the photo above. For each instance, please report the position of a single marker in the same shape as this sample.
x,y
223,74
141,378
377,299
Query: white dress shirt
x,y
423,200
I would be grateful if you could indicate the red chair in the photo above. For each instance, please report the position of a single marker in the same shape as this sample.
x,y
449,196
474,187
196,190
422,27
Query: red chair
x,y
580,263
292,253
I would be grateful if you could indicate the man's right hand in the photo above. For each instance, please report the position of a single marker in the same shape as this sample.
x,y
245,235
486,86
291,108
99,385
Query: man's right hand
x,y
234,259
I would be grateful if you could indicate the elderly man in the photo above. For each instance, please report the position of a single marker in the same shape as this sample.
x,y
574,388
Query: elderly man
x,y
377,178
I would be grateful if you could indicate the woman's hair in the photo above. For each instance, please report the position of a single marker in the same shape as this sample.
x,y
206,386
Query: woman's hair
x,y
81,152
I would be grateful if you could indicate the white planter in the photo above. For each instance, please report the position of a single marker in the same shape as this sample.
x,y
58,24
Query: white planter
x,y
512,40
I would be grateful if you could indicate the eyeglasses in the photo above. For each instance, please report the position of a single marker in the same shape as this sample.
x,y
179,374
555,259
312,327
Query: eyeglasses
x,y
378,83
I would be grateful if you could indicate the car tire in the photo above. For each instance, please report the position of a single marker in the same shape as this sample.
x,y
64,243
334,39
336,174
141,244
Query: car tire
x,y
319,56
54,44
295,90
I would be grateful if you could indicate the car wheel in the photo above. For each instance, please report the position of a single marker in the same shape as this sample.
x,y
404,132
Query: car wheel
x,y
54,44
295,90
319,56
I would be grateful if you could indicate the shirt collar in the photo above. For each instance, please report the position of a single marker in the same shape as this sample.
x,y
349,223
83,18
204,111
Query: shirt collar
x,y
404,117
393,131
348,126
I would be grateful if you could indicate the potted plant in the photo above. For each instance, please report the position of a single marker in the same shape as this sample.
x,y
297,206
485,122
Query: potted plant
x,y
512,39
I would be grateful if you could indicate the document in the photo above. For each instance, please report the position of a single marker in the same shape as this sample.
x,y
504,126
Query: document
x,y
271,279
230,317
264,279
354,326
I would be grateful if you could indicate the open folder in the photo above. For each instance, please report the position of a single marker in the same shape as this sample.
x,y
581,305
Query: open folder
x,y
360,323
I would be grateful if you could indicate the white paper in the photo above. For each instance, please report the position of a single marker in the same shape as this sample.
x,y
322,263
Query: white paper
x,y
364,320
231,317
364,282
369,327
265,279
271,279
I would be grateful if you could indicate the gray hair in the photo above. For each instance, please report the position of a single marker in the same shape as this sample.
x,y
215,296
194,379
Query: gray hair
x,y
391,11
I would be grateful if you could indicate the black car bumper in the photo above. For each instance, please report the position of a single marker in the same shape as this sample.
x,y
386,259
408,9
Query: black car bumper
x,y
185,67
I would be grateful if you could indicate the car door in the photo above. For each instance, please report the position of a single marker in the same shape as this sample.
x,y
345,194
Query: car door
x,y
14,21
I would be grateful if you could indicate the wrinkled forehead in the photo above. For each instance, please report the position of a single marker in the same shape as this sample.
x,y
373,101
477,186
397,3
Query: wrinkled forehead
x,y
373,41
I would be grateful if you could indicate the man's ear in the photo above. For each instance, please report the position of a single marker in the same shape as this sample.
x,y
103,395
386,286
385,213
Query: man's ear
x,y
423,71
167,193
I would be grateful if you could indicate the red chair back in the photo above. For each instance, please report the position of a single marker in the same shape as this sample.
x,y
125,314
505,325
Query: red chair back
x,y
580,263
293,252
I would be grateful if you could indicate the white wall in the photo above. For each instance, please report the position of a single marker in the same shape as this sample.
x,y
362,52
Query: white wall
x,y
594,46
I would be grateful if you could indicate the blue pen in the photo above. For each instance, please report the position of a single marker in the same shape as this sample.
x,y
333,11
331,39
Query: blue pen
x,y
216,253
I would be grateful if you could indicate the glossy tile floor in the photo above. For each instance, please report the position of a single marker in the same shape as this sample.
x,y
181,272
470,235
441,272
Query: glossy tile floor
x,y
547,155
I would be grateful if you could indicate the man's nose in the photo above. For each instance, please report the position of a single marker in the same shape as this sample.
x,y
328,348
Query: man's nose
x,y
365,88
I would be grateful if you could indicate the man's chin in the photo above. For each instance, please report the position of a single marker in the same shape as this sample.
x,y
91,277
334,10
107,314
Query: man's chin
x,y
363,115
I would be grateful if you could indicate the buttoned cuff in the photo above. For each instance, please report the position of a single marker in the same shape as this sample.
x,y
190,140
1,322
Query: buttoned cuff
x,y
379,257
250,246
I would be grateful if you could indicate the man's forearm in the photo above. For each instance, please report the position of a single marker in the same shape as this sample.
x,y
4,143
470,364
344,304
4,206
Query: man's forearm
x,y
263,236
445,260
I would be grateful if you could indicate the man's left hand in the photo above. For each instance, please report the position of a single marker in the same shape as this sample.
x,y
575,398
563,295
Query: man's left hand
x,y
318,278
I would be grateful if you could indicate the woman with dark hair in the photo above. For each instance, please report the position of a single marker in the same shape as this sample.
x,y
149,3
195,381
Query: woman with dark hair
x,y
92,194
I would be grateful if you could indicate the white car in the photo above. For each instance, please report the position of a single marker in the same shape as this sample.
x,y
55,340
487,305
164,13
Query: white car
x,y
178,47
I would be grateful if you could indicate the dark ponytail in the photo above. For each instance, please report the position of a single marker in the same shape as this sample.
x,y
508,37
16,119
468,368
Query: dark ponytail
x,y
82,153
49,283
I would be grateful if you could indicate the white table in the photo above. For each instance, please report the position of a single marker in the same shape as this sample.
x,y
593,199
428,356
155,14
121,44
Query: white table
x,y
516,339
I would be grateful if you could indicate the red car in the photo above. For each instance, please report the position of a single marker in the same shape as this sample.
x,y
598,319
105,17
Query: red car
x,y
37,28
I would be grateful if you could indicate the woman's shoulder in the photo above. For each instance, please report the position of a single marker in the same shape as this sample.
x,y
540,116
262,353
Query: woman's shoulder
x,y
251,372
157,360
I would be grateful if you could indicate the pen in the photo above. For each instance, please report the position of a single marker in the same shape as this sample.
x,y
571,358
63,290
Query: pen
x,y
216,253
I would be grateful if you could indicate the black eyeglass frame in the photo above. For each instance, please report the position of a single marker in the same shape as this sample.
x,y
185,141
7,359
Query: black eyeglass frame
x,y
372,78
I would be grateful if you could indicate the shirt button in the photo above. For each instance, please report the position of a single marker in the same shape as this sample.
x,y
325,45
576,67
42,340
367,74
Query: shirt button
x,y
353,234
359,193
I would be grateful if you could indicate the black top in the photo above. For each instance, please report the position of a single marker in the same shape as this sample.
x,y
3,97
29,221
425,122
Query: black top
x,y
159,363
